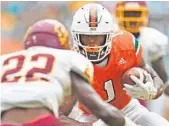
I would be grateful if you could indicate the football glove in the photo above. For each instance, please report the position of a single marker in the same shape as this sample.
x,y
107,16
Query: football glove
x,y
144,91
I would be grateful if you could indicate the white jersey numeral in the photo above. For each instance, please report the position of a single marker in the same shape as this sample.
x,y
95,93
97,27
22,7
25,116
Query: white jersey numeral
x,y
108,87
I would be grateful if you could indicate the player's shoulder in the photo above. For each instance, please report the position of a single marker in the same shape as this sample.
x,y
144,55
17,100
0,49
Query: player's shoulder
x,y
51,51
124,40
5,56
81,65
76,54
79,58
64,55
71,54
150,31
152,35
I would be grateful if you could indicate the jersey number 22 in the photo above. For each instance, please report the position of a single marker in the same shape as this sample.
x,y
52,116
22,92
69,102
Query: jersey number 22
x,y
20,64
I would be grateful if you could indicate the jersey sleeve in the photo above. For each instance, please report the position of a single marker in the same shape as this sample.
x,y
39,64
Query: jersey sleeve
x,y
82,66
155,42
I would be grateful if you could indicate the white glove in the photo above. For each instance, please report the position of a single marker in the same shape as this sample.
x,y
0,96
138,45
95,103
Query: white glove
x,y
144,91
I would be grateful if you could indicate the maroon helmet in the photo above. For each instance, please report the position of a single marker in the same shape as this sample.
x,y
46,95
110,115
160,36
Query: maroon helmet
x,y
48,33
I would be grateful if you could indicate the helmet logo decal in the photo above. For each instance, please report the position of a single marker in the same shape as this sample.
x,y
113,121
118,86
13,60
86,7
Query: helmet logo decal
x,y
62,35
93,17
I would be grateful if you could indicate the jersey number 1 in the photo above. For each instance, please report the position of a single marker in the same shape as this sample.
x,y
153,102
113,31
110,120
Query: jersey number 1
x,y
109,88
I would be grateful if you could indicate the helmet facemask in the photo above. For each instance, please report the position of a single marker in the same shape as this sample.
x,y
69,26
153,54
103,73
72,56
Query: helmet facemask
x,y
132,15
93,50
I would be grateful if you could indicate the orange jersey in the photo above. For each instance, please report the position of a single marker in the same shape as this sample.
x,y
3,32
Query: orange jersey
x,y
125,54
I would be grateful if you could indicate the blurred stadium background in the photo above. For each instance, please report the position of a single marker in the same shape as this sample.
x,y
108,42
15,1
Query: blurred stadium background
x,y
16,17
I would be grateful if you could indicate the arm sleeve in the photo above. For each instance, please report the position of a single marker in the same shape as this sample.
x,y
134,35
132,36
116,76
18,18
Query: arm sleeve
x,y
82,66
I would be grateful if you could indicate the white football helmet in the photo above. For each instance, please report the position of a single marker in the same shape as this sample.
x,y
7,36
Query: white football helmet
x,y
93,20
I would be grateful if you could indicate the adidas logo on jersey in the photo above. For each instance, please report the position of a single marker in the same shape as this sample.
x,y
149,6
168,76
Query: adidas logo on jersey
x,y
122,61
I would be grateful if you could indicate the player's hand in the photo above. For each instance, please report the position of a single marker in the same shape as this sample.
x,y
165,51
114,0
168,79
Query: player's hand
x,y
144,91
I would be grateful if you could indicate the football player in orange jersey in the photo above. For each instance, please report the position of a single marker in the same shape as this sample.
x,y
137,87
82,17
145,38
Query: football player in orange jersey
x,y
96,36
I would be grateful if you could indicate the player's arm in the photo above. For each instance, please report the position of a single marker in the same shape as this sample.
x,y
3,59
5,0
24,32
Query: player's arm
x,y
89,98
153,87
157,50
66,121
159,67
157,81
82,76
156,59
67,106
166,91
64,111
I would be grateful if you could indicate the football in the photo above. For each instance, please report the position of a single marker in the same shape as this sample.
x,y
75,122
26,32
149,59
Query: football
x,y
136,71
